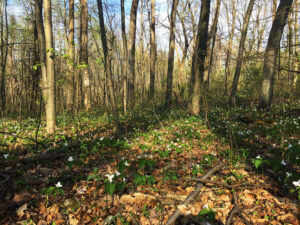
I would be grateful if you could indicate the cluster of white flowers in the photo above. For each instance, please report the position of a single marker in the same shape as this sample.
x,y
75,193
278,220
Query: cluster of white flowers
x,y
58,185
110,177
297,183
70,159
283,163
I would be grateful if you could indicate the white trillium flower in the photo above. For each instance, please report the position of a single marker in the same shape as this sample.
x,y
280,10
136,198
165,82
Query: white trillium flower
x,y
110,177
205,206
58,185
124,179
6,156
66,144
283,163
70,159
258,157
126,163
288,174
117,173
297,183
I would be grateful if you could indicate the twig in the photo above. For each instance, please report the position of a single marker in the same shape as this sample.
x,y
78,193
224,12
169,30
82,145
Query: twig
x,y
194,193
6,178
236,210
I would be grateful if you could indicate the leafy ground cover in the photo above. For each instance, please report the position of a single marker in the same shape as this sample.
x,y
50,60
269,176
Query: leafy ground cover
x,y
85,175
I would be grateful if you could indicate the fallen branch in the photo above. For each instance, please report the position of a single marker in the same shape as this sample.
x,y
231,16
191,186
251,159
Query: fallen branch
x,y
236,210
194,193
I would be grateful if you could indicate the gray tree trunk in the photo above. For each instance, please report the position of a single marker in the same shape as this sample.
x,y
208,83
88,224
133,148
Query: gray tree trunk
x,y
171,54
152,50
50,80
200,53
271,53
131,53
240,53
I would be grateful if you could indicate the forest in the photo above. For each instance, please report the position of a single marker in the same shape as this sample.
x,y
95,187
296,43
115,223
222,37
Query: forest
x,y
149,112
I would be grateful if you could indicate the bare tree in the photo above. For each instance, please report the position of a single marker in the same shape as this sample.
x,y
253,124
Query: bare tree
x,y
71,62
50,82
86,83
152,50
200,53
107,66
125,61
131,55
171,53
271,53
240,53
3,51
229,50
211,41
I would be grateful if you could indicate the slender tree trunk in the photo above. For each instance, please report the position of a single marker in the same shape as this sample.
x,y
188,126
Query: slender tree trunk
x,y
152,50
50,83
125,61
229,50
296,84
107,66
131,55
240,53
200,53
4,51
271,53
171,54
86,83
210,52
71,61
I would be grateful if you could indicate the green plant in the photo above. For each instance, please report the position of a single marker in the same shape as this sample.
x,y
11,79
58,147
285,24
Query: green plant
x,y
206,214
140,179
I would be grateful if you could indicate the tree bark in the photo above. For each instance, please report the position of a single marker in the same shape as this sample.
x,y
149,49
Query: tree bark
x,y
50,83
86,83
210,52
171,54
200,53
107,66
71,61
4,51
125,61
152,50
131,55
240,53
229,50
271,53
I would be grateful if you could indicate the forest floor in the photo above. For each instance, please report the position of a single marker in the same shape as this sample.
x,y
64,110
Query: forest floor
x,y
84,175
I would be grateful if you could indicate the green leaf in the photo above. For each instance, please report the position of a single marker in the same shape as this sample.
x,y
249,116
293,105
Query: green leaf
x,y
258,162
110,188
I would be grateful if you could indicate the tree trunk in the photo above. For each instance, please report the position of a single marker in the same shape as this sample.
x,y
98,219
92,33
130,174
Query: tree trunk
x,y
200,53
86,83
210,52
107,66
240,53
4,51
229,50
131,55
271,53
296,84
50,83
152,50
171,54
125,61
71,61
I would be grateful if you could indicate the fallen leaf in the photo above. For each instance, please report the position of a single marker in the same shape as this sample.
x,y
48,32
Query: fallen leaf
x,y
73,220
20,210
